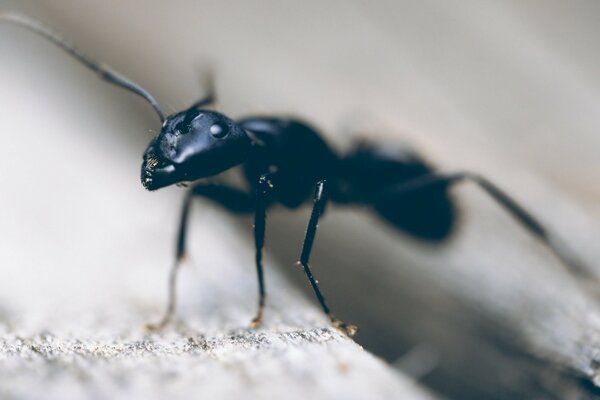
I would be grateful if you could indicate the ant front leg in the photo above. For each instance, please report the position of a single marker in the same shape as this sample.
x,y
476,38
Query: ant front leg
x,y
320,200
514,209
232,199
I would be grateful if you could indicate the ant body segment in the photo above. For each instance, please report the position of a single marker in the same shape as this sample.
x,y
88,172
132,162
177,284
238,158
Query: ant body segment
x,y
286,161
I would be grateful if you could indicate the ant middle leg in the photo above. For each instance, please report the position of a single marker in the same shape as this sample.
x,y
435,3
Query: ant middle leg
x,y
232,199
320,200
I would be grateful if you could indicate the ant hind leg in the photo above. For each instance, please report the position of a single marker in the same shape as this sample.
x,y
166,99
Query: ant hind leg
x,y
522,216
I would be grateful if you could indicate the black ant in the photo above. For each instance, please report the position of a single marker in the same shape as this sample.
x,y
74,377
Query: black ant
x,y
286,161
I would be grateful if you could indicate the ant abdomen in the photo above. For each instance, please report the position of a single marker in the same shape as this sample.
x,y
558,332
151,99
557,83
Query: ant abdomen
x,y
375,175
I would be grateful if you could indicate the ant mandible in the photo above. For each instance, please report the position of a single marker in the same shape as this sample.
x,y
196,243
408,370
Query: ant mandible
x,y
286,161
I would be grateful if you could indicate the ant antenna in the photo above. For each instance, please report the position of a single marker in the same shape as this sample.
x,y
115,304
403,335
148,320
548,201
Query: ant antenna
x,y
210,97
103,71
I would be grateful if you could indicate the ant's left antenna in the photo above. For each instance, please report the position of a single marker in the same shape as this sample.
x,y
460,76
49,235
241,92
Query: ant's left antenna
x,y
103,71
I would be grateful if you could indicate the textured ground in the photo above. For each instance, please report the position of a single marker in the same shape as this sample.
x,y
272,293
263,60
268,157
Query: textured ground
x,y
80,351
294,364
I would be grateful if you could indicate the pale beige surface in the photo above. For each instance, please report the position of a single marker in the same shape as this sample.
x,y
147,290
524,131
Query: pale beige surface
x,y
508,89
101,351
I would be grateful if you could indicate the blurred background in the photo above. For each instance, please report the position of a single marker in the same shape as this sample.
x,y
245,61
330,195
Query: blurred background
x,y
507,89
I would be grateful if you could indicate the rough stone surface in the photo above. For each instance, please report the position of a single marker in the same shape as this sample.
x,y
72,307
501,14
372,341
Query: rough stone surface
x,y
209,352
296,364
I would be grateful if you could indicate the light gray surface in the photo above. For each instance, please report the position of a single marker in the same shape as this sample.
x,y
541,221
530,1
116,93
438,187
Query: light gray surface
x,y
103,353
317,364
506,89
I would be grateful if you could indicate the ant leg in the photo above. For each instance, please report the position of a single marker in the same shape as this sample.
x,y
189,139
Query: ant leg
x,y
514,209
265,186
179,257
232,199
320,200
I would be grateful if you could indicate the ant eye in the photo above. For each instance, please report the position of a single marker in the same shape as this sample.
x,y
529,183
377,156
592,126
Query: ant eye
x,y
219,130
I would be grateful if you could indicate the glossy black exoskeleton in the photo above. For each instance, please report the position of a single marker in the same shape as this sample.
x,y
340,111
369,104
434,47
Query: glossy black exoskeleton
x,y
286,161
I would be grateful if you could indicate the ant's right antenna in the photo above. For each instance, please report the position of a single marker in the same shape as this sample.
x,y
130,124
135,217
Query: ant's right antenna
x,y
103,71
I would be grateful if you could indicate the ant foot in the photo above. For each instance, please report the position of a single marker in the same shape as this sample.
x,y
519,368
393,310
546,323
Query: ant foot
x,y
349,329
257,321
153,327
156,327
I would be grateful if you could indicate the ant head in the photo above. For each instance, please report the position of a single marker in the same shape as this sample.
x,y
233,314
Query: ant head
x,y
193,144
